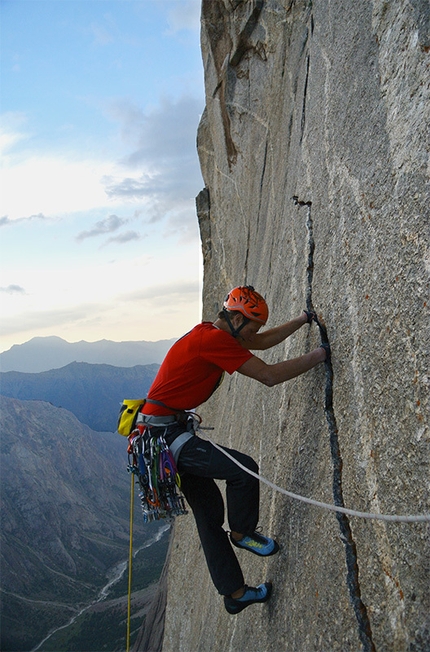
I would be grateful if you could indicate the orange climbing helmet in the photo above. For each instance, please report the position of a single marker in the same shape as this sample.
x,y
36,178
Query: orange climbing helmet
x,y
246,300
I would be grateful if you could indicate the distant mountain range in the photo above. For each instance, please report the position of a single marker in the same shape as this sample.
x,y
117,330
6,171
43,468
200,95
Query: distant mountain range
x,y
45,353
93,392
64,519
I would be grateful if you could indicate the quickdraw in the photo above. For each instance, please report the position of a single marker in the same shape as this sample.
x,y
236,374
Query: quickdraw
x,y
151,460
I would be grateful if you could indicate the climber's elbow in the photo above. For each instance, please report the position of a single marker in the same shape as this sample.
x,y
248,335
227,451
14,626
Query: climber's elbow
x,y
268,379
259,370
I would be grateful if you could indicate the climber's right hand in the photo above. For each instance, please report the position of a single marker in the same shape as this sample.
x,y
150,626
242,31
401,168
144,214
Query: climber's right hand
x,y
310,316
327,349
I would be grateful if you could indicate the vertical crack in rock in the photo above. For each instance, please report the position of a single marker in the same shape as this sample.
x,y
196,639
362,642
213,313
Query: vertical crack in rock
x,y
352,579
263,171
305,90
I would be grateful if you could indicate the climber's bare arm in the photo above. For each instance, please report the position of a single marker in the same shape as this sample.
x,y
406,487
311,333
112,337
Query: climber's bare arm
x,y
276,335
274,374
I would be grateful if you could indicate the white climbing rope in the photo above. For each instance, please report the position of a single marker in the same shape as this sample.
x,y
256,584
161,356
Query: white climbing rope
x,y
334,508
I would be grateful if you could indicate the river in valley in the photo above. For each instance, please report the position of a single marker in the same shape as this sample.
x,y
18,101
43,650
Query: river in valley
x,y
113,575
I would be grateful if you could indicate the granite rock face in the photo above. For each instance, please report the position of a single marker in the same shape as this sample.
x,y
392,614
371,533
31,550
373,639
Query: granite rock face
x,y
314,151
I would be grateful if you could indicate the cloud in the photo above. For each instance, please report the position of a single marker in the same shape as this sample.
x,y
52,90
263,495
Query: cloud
x,y
48,319
128,236
6,221
128,187
164,295
108,225
183,224
163,152
155,307
52,185
160,170
13,289
166,133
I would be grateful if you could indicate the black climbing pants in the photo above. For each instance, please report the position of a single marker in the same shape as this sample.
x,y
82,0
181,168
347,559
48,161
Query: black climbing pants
x,y
199,464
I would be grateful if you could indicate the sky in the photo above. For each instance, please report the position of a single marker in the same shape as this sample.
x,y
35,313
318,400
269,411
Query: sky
x,y
100,104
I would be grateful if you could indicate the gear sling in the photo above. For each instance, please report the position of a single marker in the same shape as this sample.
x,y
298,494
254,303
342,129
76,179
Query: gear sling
x,y
151,459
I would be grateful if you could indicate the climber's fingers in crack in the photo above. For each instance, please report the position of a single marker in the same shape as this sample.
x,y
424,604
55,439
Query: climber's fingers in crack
x,y
311,316
327,349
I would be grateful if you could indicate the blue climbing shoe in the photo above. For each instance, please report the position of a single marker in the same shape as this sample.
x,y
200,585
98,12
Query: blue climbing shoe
x,y
252,595
258,544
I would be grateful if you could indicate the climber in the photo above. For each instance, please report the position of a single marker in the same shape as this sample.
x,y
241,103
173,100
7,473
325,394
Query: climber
x,y
191,371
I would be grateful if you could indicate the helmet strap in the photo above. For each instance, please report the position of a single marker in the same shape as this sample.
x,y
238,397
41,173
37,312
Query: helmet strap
x,y
235,331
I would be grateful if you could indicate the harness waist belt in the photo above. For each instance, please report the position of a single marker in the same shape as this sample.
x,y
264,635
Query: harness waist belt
x,y
156,421
176,445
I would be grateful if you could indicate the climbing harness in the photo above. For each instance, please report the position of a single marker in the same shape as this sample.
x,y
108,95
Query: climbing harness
x,y
152,462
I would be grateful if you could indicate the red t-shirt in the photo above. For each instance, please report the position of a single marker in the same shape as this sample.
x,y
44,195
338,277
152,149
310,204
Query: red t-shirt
x,y
193,367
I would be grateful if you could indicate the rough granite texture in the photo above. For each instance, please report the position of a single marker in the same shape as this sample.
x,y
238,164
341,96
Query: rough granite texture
x,y
314,153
